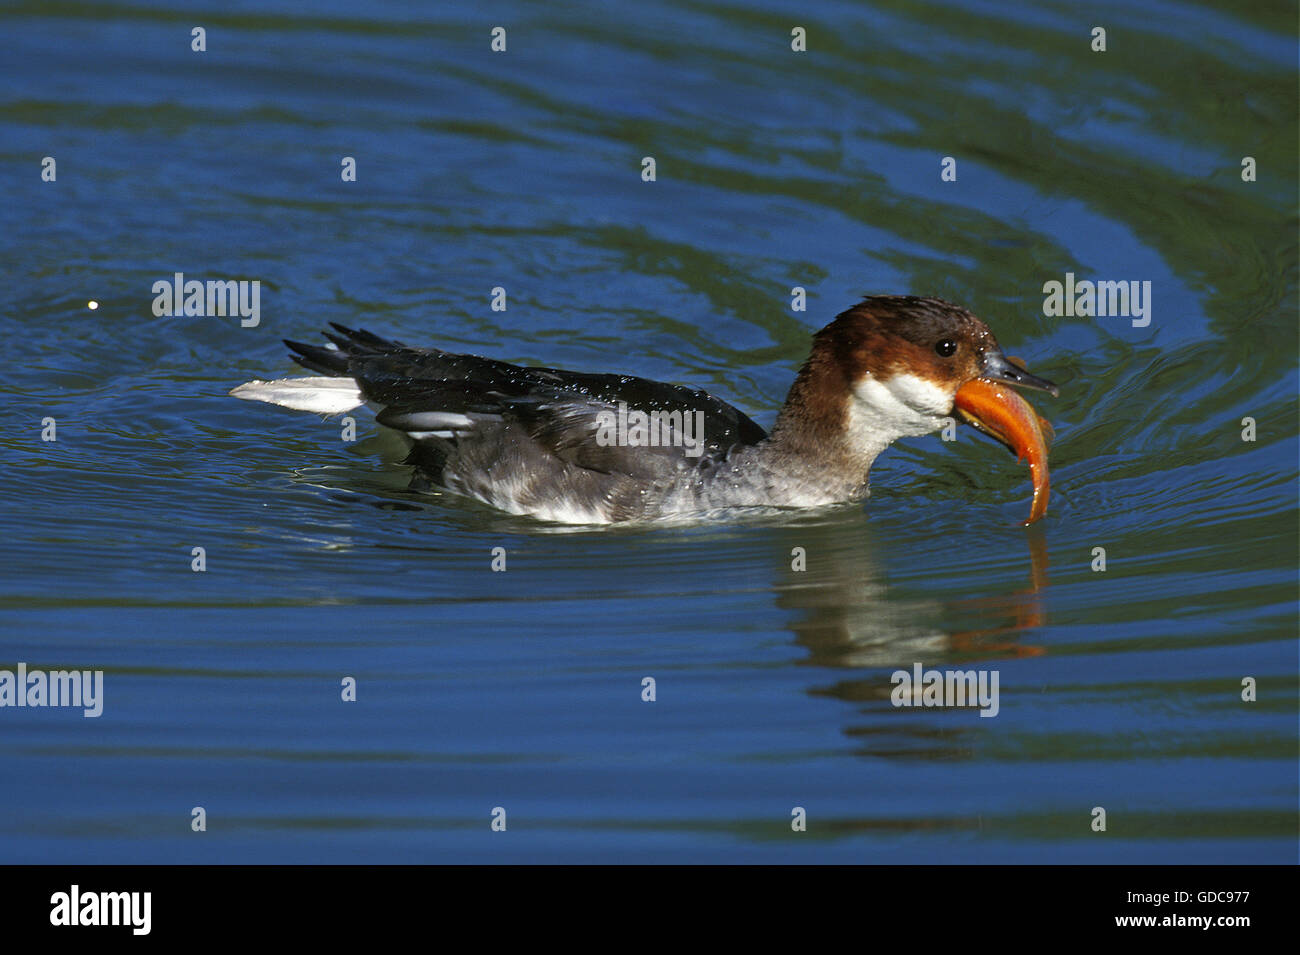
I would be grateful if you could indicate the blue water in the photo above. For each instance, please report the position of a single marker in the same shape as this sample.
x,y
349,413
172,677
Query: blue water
x,y
522,689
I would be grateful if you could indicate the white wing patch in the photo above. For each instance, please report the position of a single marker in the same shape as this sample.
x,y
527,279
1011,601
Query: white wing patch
x,y
419,421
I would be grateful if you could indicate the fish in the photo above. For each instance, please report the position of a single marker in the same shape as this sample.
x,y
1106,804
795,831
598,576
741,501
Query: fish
x,y
993,408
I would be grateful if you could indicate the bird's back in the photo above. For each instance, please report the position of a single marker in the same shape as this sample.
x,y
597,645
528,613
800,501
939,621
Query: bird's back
x,y
559,445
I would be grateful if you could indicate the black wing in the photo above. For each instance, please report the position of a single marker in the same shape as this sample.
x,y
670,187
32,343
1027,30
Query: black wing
x,y
446,397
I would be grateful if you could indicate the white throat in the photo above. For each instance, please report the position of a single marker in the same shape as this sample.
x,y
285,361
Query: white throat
x,y
883,411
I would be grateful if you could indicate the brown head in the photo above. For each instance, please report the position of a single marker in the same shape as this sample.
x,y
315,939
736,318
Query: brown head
x,y
889,367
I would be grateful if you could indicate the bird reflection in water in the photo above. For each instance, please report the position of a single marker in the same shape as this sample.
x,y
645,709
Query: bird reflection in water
x,y
849,618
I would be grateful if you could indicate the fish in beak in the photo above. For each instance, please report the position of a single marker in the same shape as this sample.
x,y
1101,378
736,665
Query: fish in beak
x,y
989,404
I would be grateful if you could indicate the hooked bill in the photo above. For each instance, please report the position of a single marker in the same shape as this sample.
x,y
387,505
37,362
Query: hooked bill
x,y
1001,413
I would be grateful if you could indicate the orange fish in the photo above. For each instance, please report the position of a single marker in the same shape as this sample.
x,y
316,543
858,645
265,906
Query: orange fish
x,y
995,409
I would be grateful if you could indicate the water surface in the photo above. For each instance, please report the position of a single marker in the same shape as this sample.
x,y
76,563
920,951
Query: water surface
x,y
1119,689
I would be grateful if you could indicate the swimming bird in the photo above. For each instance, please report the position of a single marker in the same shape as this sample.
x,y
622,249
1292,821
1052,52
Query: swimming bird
x,y
575,447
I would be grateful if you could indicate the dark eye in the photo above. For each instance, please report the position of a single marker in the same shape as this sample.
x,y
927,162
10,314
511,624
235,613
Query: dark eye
x,y
946,348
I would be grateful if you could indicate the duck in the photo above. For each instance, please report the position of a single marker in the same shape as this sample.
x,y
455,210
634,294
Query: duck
x,y
598,448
